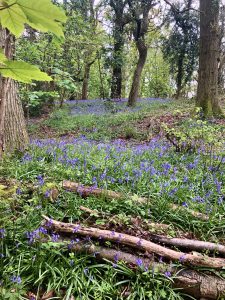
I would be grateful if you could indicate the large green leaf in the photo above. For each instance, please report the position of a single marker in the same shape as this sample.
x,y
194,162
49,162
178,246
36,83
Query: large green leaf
x,y
22,71
12,17
42,15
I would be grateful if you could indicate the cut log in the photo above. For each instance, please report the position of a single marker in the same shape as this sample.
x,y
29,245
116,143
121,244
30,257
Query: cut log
x,y
85,191
190,244
135,242
198,285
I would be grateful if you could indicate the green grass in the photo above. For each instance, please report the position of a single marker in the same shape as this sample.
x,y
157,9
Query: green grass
x,y
189,178
110,126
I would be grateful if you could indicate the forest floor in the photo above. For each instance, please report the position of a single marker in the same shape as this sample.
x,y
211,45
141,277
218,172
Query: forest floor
x,y
159,151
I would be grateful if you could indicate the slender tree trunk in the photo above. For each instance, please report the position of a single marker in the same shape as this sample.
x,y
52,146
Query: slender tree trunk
x,y
116,85
179,76
84,95
207,94
143,52
13,133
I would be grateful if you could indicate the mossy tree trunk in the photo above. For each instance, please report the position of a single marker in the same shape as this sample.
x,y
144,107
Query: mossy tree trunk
x,y
119,20
207,94
13,133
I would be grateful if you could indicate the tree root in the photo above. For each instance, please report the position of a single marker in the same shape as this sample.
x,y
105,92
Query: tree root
x,y
135,242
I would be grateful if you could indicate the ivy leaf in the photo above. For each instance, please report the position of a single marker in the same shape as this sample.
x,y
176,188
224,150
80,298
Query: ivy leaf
x,y
22,71
42,15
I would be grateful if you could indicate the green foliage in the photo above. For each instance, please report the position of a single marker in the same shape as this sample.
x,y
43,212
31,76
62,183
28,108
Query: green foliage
x,y
41,15
152,170
195,134
181,47
22,71
157,76
35,103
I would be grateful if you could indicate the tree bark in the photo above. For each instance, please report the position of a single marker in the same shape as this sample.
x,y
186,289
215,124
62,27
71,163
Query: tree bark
x,y
13,133
116,86
207,93
118,35
84,95
140,31
143,52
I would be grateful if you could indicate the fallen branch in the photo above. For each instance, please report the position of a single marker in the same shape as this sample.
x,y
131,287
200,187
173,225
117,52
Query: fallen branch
x,y
141,244
190,244
85,191
178,242
196,284
89,211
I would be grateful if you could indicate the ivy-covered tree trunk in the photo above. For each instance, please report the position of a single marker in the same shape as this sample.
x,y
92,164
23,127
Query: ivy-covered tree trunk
x,y
13,133
207,94
116,86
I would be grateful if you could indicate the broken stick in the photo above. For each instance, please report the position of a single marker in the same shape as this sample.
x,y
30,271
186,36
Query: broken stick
x,y
86,191
125,239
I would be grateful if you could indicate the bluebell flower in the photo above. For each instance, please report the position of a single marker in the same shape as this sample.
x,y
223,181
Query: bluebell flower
x,y
16,279
167,274
2,233
139,262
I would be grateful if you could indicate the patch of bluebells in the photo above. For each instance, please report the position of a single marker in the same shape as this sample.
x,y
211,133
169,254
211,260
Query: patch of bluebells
x,y
2,233
146,169
36,235
16,279
101,107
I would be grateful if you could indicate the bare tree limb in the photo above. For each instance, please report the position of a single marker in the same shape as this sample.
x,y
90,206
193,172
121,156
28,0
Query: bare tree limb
x,y
141,244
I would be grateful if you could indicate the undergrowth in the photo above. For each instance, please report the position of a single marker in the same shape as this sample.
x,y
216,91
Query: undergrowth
x,y
191,178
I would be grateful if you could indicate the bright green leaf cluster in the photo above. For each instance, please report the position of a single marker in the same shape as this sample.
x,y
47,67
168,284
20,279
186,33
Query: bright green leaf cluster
x,y
41,15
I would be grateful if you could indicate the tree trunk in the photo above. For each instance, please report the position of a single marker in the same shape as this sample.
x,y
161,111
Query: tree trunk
x,y
179,76
143,52
13,133
207,94
84,95
116,85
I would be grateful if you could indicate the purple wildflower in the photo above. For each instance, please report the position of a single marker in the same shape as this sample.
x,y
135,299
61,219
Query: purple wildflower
x,y
139,262
86,271
16,279
47,194
40,180
18,191
54,237
76,228
2,233
167,274
182,258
